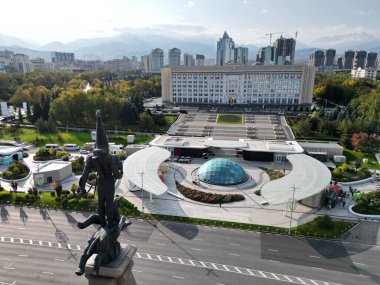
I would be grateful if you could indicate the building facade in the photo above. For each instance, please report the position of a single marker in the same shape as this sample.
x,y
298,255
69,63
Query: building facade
x,y
364,73
317,58
330,57
174,57
241,55
63,60
157,60
22,63
188,60
285,51
360,59
371,60
225,50
267,86
266,55
348,59
200,60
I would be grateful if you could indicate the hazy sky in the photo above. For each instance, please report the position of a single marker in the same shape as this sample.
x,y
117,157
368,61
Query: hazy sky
x,y
247,21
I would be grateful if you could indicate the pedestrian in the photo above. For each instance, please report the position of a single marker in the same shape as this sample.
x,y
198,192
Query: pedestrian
x,y
220,204
344,202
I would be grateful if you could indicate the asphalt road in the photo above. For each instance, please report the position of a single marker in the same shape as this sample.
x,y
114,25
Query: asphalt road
x,y
44,247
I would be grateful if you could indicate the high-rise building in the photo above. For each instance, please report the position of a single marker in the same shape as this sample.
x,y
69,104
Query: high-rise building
x,y
157,60
147,62
266,55
329,57
22,63
371,60
225,50
360,59
63,60
317,58
241,55
339,62
200,60
286,48
348,59
188,60
174,57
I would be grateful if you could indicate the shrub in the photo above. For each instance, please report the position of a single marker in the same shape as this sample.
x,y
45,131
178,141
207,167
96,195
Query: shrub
x,y
258,192
324,222
65,158
57,154
25,155
52,194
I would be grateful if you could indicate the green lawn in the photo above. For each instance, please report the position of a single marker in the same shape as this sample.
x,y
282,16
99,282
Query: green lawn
x,y
79,138
352,156
230,119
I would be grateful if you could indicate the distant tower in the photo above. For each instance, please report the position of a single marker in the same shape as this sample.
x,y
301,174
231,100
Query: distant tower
x,y
348,59
188,60
225,50
266,55
360,59
241,55
339,62
157,60
317,58
200,60
330,57
174,57
286,49
371,60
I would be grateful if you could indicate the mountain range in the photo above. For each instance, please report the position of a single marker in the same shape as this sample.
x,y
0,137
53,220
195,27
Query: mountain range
x,y
138,44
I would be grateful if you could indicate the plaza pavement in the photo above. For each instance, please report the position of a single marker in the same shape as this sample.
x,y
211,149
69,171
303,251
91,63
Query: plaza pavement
x,y
248,211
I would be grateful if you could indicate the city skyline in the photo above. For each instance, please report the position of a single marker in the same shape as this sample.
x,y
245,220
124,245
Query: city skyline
x,y
247,21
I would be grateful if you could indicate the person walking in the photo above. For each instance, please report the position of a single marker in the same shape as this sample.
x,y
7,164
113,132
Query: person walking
x,y
344,202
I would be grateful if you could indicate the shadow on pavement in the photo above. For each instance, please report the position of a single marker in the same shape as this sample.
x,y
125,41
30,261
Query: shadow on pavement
x,y
23,216
44,214
72,221
4,215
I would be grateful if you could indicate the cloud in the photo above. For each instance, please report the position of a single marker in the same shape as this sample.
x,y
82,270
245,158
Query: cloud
x,y
245,2
264,11
179,29
190,3
364,13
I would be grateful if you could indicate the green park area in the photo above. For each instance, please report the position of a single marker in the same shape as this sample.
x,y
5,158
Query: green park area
x,y
60,137
230,119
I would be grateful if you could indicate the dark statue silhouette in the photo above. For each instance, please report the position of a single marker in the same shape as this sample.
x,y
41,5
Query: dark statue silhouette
x,y
109,168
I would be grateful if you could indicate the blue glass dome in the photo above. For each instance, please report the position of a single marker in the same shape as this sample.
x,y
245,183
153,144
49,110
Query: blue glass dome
x,y
222,171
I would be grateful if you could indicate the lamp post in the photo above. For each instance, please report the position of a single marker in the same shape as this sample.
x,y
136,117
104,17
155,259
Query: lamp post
x,y
142,192
292,205
39,181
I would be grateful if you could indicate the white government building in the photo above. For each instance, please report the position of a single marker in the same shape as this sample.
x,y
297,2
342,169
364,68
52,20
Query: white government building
x,y
269,86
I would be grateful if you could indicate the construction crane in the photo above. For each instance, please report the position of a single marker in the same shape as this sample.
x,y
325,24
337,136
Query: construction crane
x,y
270,36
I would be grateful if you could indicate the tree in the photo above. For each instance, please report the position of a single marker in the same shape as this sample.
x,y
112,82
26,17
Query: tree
x,y
58,188
37,113
45,110
129,113
28,112
159,119
146,122
303,128
20,118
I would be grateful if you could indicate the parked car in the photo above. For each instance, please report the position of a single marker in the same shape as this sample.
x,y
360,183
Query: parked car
x,y
71,146
84,151
56,147
210,153
184,159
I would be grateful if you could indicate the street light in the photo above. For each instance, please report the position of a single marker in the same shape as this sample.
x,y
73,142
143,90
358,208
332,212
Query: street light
x,y
292,205
142,192
39,181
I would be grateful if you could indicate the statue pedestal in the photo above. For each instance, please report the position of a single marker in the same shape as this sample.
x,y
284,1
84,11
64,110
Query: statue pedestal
x,y
117,272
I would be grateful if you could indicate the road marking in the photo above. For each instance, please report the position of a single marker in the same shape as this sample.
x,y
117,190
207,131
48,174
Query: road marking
x,y
21,228
351,252
219,284
49,273
195,248
319,268
235,244
23,255
160,244
10,268
275,250
135,270
358,263
273,260
234,254
314,256
56,259
198,239
181,261
178,277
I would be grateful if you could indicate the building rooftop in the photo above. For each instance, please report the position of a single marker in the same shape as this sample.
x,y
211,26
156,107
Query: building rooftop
x,y
53,165
308,175
142,166
7,150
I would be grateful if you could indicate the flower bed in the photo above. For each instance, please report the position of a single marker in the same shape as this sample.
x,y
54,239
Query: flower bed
x,y
273,173
15,171
210,198
46,155
348,175
229,119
